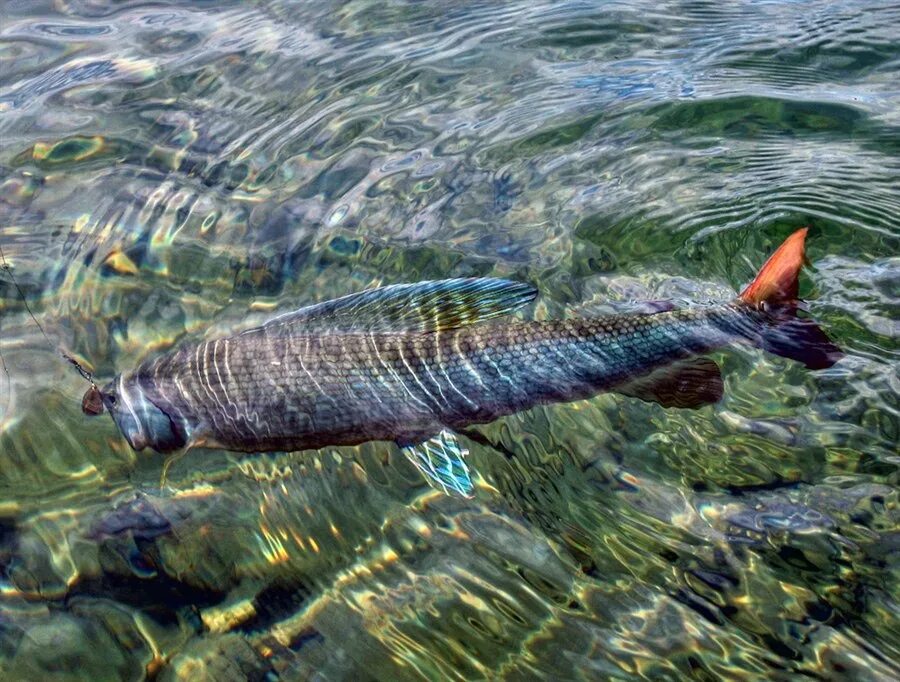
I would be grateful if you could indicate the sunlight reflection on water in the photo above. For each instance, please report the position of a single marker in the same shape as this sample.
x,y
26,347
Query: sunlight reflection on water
x,y
176,170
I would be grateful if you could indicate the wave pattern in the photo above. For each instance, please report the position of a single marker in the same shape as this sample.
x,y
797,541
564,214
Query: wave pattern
x,y
174,169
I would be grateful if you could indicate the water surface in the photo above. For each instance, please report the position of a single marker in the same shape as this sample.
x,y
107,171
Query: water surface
x,y
170,171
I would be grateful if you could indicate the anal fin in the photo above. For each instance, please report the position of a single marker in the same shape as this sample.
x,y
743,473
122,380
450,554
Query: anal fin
x,y
688,383
441,459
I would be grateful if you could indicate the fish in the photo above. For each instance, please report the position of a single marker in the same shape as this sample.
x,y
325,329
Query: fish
x,y
418,363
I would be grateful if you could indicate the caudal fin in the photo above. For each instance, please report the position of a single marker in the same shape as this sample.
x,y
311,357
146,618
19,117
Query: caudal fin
x,y
775,290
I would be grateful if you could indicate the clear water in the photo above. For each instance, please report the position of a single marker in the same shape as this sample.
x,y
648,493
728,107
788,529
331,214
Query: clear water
x,y
171,170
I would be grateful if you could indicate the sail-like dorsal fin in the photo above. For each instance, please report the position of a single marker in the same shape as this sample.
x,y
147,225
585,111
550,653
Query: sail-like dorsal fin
x,y
424,306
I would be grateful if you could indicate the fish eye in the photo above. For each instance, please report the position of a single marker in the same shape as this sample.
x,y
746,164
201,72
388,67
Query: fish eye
x,y
111,399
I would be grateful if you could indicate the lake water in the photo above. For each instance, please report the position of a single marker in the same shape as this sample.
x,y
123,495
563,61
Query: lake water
x,y
172,170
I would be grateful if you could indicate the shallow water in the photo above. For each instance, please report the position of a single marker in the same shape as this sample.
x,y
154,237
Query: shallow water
x,y
173,170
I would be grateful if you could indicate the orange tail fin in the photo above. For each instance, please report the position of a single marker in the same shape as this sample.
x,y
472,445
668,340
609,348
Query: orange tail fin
x,y
778,280
775,290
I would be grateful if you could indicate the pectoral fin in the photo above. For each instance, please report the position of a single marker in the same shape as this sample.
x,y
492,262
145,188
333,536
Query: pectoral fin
x,y
442,460
688,383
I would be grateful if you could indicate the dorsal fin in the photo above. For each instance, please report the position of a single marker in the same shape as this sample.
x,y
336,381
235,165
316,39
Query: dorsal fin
x,y
423,306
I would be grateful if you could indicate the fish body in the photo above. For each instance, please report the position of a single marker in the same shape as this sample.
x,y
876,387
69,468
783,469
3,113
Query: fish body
x,y
406,362
277,388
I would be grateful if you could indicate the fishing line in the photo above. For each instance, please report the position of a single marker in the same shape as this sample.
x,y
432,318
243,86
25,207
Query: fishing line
x,y
8,269
8,380
4,265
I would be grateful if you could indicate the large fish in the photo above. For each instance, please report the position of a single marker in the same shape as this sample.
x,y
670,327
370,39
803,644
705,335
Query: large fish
x,y
413,363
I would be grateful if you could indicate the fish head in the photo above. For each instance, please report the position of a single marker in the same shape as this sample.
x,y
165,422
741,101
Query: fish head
x,y
142,422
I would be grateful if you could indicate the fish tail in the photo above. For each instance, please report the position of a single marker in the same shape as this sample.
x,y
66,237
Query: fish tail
x,y
775,291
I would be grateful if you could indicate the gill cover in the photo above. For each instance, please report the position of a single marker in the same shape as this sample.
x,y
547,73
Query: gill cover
x,y
139,419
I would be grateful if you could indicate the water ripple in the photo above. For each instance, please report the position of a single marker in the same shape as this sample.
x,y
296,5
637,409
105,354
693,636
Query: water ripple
x,y
177,170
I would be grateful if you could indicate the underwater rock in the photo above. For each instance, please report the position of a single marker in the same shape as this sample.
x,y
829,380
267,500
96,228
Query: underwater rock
x,y
217,658
65,647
